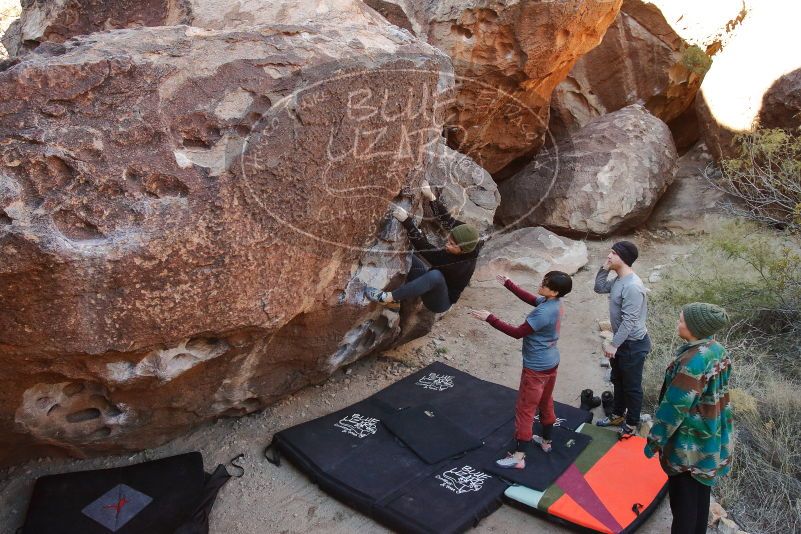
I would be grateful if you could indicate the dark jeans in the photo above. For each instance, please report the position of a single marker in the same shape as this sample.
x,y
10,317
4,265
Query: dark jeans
x,y
627,378
689,502
429,285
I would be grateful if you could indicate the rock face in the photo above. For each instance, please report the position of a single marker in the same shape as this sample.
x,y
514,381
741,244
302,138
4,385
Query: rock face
x,y
9,13
753,80
640,60
58,20
604,179
781,105
525,255
689,206
188,218
467,189
508,57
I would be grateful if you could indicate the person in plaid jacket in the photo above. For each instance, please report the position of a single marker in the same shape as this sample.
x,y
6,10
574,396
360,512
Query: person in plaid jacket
x,y
693,423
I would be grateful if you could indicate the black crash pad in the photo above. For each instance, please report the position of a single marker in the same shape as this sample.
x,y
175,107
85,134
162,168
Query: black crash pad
x,y
542,468
431,435
354,455
171,495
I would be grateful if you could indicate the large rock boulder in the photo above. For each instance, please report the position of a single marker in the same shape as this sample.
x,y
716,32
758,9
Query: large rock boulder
x,y
188,218
466,188
690,205
9,13
58,20
754,79
508,57
525,255
604,179
781,104
640,60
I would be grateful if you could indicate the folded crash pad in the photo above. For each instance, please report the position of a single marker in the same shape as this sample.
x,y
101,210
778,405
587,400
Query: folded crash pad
x,y
611,487
171,495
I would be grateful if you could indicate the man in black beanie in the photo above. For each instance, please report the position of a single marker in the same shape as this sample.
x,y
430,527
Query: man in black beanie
x,y
628,309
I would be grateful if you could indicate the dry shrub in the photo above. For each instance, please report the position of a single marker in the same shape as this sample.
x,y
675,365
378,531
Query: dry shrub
x,y
764,179
756,275
764,489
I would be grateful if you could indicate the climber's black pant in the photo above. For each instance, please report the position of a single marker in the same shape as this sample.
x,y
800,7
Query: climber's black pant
x,y
429,285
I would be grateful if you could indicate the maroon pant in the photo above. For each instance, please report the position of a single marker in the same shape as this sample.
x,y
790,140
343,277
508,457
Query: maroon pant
x,y
536,391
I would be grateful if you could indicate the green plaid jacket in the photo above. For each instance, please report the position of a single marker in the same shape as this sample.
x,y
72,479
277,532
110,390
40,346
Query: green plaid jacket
x,y
693,423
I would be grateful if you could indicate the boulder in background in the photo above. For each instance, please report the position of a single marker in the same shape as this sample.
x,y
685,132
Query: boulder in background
x,y
525,255
604,179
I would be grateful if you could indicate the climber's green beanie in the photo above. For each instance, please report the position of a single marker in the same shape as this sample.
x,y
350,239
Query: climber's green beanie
x,y
704,319
466,236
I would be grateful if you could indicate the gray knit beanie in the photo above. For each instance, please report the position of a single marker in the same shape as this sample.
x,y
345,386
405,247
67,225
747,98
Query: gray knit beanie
x,y
704,319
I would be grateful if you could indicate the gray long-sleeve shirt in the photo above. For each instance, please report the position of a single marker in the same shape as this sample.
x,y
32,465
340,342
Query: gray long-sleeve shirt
x,y
628,305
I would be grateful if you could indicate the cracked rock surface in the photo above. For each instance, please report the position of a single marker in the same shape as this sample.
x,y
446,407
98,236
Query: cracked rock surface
x,y
188,218
508,57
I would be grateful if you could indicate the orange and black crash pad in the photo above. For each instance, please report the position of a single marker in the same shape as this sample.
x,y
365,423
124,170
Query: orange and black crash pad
x,y
610,488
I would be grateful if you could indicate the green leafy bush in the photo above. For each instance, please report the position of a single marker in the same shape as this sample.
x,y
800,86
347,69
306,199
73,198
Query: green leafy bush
x,y
694,59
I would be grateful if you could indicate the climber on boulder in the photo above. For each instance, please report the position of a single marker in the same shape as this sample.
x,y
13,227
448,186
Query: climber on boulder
x,y
451,269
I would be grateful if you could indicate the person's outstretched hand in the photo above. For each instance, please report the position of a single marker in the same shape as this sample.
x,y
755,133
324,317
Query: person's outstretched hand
x,y
400,213
481,315
502,279
425,188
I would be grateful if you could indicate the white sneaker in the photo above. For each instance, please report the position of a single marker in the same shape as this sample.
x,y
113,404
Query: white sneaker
x,y
510,462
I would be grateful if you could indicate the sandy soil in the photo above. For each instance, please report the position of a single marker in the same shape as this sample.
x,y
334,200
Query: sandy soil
x,y
269,499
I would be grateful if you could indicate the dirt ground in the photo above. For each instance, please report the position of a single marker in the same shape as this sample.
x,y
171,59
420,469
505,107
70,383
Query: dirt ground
x,y
268,499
